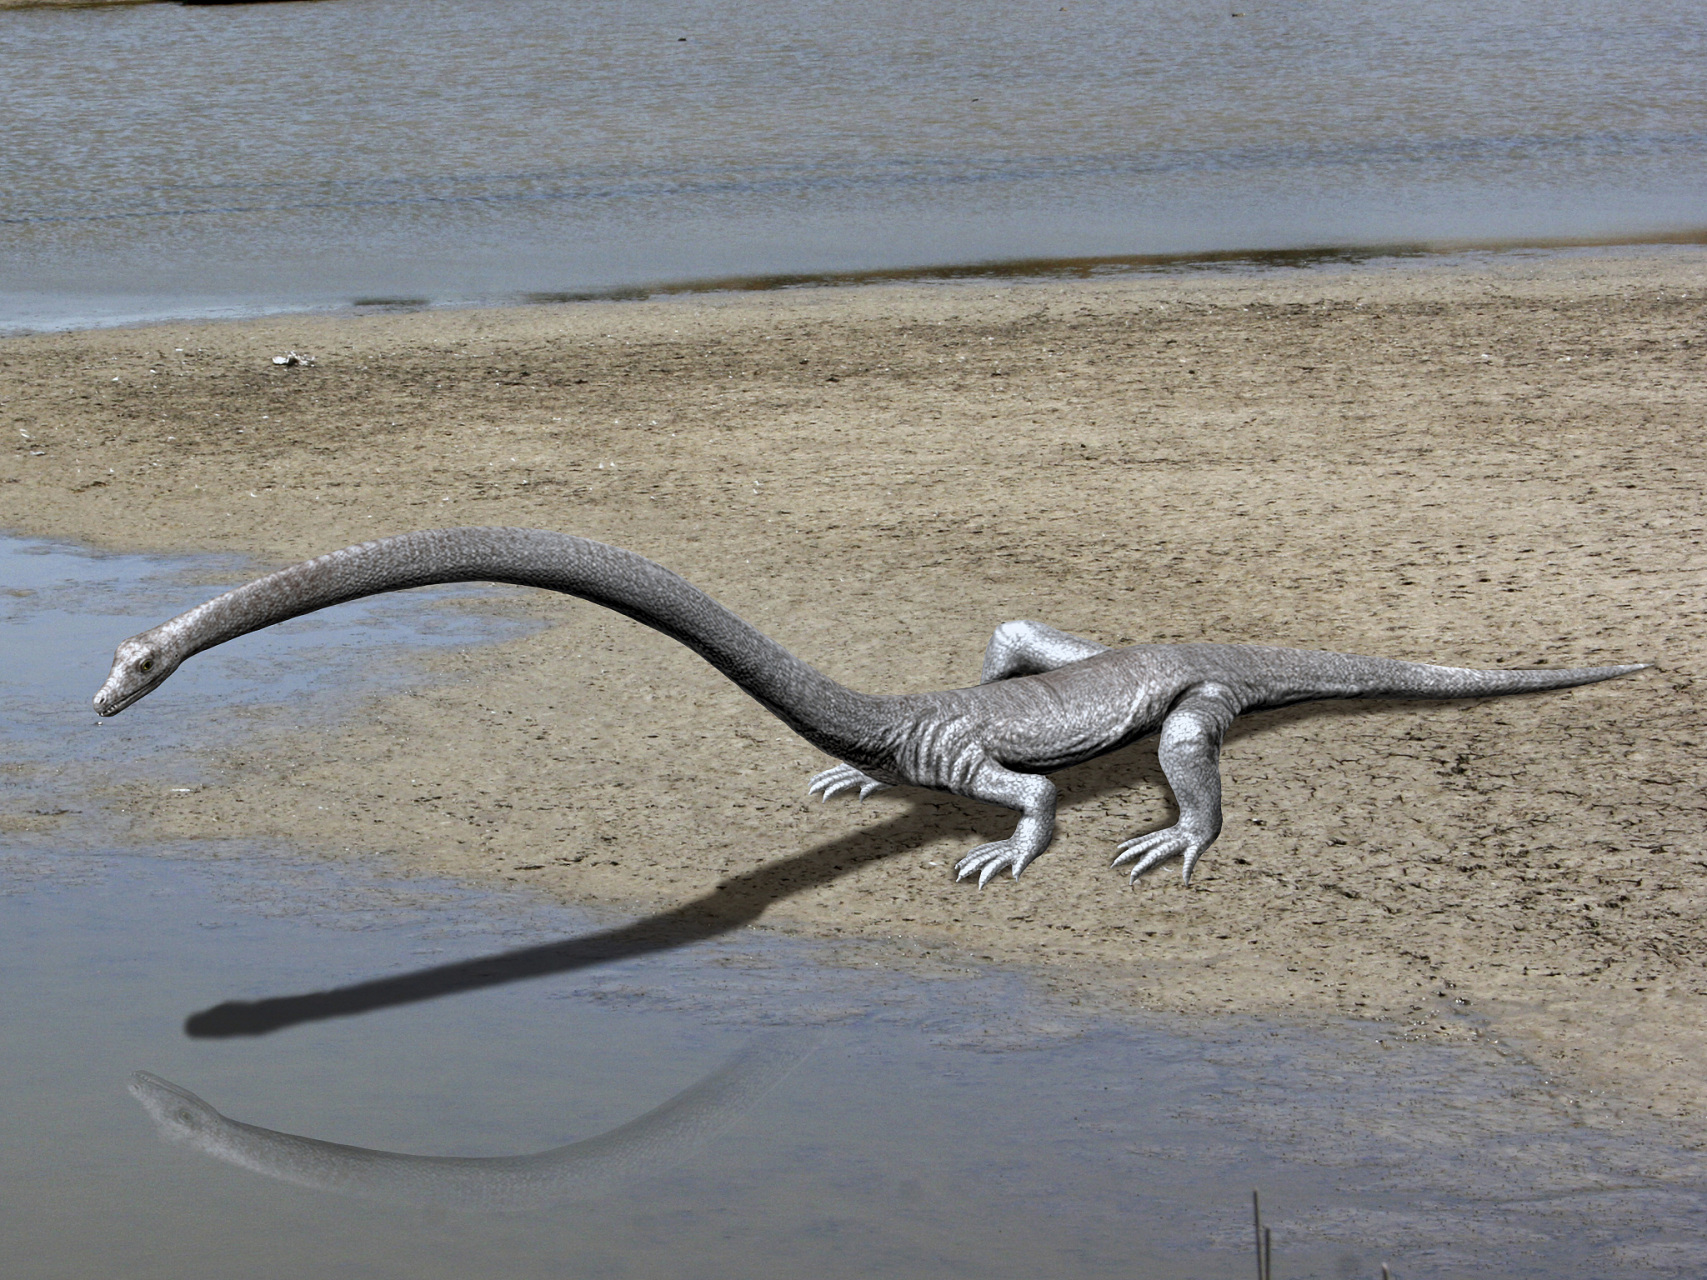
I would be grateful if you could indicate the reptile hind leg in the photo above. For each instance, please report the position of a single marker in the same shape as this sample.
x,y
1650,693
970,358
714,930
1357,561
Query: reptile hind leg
x,y
1190,755
1024,648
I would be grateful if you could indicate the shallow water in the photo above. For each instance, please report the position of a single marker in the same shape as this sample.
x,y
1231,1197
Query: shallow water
x,y
167,160
64,608
950,1121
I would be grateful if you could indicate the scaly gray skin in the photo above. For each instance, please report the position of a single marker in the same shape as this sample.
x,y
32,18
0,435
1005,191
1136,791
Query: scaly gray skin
x,y
660,1139
1048,700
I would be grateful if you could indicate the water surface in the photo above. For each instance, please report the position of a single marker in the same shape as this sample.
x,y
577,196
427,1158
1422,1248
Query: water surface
x,y
64,608
162,159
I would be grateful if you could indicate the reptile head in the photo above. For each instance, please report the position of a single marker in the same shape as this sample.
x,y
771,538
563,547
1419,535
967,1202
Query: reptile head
x,y
139,665
181,1115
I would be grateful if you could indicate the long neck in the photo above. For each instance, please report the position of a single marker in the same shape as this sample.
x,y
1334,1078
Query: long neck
x,y
832,717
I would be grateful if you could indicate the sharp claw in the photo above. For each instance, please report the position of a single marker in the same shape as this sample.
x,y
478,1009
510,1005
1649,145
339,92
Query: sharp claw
x,y
989,872
1191,857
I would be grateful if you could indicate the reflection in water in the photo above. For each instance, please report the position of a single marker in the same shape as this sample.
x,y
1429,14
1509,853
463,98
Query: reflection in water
x,y
662,1138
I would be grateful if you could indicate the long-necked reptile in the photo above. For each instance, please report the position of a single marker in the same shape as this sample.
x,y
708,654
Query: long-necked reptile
x,y
1048,700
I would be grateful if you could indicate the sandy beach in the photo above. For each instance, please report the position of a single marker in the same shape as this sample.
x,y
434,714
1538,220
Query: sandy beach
x,y
1492,462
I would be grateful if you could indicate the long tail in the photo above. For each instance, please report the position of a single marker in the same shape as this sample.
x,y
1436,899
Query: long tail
x,y
827,714
1309,673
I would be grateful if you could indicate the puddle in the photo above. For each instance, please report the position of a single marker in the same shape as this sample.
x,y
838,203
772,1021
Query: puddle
x,y
925,1123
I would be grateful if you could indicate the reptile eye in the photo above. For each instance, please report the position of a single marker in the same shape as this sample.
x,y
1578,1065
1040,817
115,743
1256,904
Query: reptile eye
x,y
147,664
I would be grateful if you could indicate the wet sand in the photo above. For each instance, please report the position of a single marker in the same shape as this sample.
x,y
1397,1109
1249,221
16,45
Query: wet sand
x,y
1497,462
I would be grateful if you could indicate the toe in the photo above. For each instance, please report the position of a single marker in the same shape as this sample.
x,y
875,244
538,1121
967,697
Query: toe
x,y
1137,847
832,781
984,862
1156,857
1192,854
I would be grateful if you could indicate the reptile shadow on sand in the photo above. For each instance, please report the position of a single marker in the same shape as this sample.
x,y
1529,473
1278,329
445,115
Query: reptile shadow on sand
x,y
734,904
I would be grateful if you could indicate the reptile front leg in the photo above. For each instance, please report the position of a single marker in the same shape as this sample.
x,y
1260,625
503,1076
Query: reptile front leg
x,y
1190,754
1034,796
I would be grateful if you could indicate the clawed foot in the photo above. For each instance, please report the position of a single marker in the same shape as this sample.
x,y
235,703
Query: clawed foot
x,y
988,859
844,777
1157,847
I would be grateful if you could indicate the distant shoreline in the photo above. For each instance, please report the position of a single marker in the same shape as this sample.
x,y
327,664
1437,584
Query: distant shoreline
x,y
1010,271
